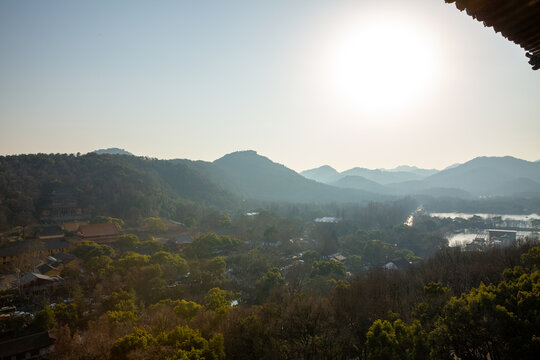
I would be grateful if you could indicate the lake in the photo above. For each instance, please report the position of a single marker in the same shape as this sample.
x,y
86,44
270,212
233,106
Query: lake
x,y
466,237
513,217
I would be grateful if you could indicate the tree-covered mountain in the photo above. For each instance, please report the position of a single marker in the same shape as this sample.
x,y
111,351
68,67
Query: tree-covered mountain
x,y
253,176
325,174
482,176
382,177
112,151
122,186
361,183
490,176
133,187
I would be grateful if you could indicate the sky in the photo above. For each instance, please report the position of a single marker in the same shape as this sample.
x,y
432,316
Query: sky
x,y
374,84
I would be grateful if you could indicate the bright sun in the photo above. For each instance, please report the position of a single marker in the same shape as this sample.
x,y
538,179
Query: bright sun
x,y
381,66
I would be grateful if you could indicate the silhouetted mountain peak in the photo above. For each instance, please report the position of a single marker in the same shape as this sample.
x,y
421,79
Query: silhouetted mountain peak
x,y
507,163
243,155
487,175
112,151
323,174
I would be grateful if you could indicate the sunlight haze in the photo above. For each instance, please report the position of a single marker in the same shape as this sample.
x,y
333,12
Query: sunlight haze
x,y
374,84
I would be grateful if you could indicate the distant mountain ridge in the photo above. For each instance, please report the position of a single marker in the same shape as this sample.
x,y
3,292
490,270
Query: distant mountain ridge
x,y
112,151
132,187
486,176
324,174
481,176
414,170
253,176
327,174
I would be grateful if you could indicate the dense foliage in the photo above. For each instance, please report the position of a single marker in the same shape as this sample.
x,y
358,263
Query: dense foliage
x,y
268,284
127,187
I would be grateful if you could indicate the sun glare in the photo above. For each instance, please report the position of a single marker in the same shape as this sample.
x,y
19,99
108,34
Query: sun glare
x,y
381,65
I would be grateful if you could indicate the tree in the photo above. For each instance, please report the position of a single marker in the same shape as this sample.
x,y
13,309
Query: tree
x,y
190,344
120,300
311,256
106,219
45,319
155,225
354,263
131,259
149,246
397,340
224,221
181,343
187,309
127,242
140,339
270,281
89,249
330,268
216,269
219,300
377,252
381,341
210,244
271,234
174,262
66,314
99,263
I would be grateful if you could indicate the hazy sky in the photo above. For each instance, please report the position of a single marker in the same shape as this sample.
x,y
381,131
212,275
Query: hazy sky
x,y
301,82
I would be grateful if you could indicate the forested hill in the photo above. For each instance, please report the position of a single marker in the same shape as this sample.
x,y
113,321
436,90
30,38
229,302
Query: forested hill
x,y
133,187
253,176
124,186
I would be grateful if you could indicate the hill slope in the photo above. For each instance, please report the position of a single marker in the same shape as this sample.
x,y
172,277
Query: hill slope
x,y
114,185
382,177
324,174
361,183
257,177
253,176
488,176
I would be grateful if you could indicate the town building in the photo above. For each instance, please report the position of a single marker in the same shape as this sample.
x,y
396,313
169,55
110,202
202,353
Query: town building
x,y
32,247
51,232
101,233
34,283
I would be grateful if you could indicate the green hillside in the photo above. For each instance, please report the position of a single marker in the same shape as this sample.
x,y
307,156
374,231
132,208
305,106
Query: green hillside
x,y
122,186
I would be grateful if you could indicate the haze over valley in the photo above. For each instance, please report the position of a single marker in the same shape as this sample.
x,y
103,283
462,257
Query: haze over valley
x,y
211,180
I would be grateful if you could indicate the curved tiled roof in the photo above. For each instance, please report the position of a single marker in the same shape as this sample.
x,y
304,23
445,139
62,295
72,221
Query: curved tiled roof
x,y
516,20
95,230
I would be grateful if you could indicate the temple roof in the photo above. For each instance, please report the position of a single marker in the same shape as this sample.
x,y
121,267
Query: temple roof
x,y
516,20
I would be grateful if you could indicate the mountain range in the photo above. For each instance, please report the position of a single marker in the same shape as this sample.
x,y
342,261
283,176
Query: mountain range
x,y
252,176
479,177
249,175
133,187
